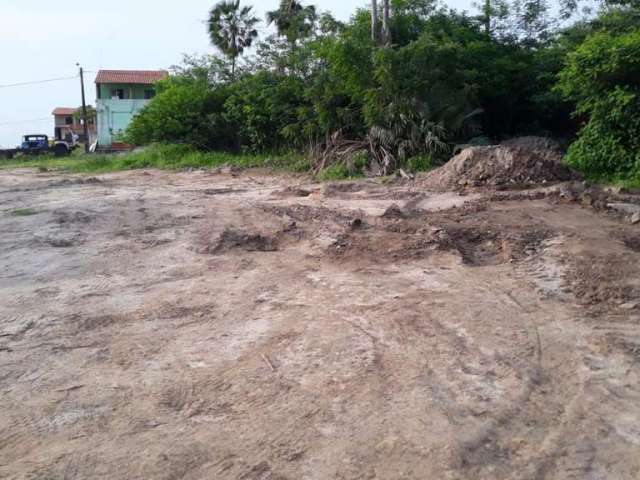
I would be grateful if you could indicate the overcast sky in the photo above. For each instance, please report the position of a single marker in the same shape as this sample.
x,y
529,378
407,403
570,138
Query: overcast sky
x,y
43,39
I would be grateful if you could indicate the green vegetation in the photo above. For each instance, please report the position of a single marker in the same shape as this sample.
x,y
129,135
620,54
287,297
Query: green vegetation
x,y
169,157
232,29
602,77
397,87
401,83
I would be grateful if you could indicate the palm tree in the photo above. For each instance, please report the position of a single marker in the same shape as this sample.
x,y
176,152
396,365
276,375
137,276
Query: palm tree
x,y
293,20
232,29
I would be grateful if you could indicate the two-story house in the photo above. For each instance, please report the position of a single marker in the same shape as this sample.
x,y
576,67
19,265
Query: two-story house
x,y
67,122
120,95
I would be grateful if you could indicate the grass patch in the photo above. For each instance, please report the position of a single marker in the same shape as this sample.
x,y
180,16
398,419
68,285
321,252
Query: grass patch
x,y
169,157
631,182
23,212
177,157
339,171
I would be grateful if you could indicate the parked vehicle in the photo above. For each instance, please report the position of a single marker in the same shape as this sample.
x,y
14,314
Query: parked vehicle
x,y
36,144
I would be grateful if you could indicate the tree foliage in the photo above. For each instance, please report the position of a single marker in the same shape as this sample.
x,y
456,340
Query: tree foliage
x,y
602,77
436,77
232,29
184,111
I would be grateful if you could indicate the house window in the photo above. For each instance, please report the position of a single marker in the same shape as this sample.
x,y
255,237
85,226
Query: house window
x,y
68,120
149,94
117,93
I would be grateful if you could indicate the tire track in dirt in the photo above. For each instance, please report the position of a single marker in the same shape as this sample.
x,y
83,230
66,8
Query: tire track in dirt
x,y
300,363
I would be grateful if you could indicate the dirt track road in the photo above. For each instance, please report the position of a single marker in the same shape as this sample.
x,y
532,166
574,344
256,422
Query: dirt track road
x,y
205,325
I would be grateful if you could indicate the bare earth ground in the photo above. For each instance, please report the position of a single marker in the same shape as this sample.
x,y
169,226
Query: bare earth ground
x,y
245,325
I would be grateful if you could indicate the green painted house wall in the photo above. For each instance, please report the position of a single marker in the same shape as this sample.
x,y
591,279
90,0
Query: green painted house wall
x,y
115,114
131,91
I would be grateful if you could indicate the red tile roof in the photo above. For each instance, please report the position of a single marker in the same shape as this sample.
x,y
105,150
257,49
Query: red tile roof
x,y
63,111
145,77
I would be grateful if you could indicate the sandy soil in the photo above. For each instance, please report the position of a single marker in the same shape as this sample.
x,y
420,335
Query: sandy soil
x,y
243,325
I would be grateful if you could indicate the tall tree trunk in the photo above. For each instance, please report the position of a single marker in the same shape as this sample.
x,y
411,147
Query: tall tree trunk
x,y
233,67
386,32
487,17
374,20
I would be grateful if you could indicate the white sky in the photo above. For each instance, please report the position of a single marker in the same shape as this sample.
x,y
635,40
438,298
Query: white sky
x,y
43,39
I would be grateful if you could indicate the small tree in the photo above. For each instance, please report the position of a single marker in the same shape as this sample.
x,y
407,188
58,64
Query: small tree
x,y
91,114
232,29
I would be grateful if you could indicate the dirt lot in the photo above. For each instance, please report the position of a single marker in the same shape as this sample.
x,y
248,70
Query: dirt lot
x,y
243,325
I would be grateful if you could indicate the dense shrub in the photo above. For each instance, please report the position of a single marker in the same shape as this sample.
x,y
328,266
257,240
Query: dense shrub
x,y
444,79
267,109
185,111
603,77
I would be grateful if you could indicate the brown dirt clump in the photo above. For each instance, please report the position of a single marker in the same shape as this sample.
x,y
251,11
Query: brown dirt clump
x,y
234,239
397,237
394,211
480,247
366,244
632,243
292,191
516,164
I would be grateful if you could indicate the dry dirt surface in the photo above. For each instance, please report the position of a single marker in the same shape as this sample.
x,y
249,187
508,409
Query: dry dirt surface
x,y
517,163
247,325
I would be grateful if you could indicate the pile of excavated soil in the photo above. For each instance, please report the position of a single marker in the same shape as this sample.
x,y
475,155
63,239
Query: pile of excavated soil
x,y
519,163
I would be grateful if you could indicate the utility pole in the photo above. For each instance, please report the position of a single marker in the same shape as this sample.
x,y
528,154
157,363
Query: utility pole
x,y
84,112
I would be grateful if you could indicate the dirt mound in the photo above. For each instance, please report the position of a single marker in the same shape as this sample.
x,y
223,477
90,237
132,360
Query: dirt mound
x,y
519,163
541,146
250,242
394,211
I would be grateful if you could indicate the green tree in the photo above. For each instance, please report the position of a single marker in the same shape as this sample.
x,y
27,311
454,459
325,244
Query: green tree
x,y
266,109
185,110
602,78
293,20
232,29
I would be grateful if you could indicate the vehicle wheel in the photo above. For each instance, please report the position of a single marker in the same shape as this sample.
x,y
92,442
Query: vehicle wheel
x,y
60,150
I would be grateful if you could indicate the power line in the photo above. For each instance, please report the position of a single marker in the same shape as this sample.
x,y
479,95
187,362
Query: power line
x,y
36,82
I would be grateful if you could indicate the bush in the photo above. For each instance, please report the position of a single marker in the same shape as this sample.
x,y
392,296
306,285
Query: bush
x,y
184,111
266,108
601,76
421,163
